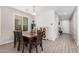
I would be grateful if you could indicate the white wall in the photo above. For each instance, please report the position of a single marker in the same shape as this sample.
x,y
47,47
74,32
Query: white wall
x,y
56,25
73,26
7,23
0,23
65,26
78,26
47,19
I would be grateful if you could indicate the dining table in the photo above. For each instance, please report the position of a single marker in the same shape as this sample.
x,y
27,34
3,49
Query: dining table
x,y
30,36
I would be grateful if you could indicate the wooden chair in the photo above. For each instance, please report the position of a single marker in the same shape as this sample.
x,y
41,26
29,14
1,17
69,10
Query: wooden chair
x,y
15,38
44,33
37,40
25,43
22,40
18,38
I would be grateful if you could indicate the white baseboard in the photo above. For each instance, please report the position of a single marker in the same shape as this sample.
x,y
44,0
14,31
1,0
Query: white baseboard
x,y
5,42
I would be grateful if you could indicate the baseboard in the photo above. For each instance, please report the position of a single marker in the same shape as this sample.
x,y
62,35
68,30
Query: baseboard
x,y
5,42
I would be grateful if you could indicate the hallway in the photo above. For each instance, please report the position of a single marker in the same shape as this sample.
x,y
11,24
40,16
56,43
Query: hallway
x,y
64,44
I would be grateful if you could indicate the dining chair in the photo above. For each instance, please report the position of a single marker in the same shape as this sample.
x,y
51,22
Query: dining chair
x,y
37,40
44,33
18,38
15,38
25,43
22,41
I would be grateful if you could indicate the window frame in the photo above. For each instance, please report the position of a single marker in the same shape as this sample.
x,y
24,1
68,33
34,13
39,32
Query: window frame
x,y
21,22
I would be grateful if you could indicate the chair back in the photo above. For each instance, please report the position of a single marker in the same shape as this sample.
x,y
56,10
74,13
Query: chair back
x,y
18,34
44,32
39,37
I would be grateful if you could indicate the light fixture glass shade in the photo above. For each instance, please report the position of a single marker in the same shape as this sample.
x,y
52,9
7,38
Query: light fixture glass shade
x,y
34,14
65,13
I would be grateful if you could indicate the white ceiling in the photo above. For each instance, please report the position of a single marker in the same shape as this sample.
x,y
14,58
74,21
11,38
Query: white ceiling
x,y
60,10
26,9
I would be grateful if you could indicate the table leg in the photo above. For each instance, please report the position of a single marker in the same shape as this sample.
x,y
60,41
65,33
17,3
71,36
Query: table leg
x,y
30,46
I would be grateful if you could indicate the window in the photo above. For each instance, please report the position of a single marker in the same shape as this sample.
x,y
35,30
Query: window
x,y
25,23
21,23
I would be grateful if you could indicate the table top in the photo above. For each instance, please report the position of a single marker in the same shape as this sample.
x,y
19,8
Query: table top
x,y
29,34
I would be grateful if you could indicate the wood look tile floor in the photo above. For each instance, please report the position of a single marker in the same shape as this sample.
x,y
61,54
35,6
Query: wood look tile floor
x,y
64,44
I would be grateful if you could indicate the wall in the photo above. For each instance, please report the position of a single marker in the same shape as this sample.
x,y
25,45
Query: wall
x,y
47,19
0,23
56,27
65,26
78,26
7,23
73,25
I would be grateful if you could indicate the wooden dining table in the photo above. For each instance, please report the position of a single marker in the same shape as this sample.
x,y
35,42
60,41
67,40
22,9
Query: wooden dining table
x,y
30,36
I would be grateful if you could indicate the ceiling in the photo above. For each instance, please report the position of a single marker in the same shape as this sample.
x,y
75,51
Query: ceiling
x,y
26,9
59,9
62,11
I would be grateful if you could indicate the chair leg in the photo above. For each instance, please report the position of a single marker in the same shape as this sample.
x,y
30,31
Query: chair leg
x,y
41,47
36,49
30,49
19,45
14,42
23,48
